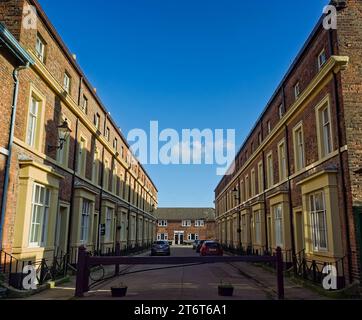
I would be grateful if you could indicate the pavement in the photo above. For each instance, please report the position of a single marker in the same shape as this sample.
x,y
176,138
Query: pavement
x,y
198,282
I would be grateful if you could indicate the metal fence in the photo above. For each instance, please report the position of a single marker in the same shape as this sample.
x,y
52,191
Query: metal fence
x,y
12,269
312,270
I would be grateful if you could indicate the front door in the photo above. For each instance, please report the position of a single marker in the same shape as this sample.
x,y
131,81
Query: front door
x,y
179,238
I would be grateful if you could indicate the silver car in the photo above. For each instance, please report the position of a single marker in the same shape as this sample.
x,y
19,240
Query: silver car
x,y
160,248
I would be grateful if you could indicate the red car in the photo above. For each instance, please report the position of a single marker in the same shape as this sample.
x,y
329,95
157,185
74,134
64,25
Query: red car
x,y
211,248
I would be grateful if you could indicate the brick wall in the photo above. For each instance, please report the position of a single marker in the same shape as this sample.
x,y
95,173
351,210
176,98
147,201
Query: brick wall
x,y
349,34
207,232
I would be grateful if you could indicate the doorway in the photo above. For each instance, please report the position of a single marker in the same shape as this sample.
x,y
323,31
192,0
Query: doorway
x,y
179,237
62,229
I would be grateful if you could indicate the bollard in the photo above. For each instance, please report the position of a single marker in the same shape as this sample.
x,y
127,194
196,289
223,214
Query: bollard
x,y
118,254
280,276
81,272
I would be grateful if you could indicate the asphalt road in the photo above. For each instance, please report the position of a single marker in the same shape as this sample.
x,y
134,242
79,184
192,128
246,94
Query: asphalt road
x,y
182,283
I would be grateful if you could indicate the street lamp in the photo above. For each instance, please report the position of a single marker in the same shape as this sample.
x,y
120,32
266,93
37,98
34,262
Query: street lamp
x,y
63,133
237,197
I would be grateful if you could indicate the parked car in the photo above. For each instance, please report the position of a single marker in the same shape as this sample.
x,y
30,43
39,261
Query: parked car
x,y
198,248
211,248
161,248
195,244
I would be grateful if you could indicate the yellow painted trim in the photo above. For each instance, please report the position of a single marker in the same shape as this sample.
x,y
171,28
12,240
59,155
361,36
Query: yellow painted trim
x,y
42,167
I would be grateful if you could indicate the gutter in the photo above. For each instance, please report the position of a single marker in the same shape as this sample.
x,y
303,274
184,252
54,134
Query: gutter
x,y
25,61
10,147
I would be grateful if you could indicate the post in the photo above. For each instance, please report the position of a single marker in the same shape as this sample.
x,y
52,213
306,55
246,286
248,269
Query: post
x,y
42,271
81,272
118,254
280,276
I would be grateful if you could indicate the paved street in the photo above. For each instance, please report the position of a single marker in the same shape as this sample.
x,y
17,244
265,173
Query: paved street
x,y
198,282
187,283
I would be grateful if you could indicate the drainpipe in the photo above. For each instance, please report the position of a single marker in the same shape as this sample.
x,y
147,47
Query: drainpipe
x,y
98,245
291,214
74,165
10,147
341,164
71,209
264,193
129,208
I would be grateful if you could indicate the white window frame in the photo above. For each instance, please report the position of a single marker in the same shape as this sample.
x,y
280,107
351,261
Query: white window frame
x,y
322,62
33,119
186,223
162,236
85,221
40,48
257,223
326,131
199,223
260,177
85,104
270,170
97,120
269,127
281,111
66,82
253,183
299,151
193,236
162,223
282,159
297,90
39,207
319,231
82,156
278,225
108,224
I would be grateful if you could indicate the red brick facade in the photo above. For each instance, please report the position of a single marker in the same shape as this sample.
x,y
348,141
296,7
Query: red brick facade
x,y
343,87
130,192
184,225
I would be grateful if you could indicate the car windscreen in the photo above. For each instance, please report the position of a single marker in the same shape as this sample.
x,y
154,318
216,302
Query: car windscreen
x,y
160,243
213,245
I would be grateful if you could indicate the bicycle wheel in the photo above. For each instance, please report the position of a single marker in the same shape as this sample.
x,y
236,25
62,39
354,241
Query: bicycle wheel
x,y
97,273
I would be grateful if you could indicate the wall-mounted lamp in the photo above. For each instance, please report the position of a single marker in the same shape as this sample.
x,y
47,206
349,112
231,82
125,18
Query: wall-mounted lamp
x,y
64,133
235,192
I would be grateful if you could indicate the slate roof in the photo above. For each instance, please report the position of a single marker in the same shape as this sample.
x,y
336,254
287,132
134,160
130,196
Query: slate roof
x,y
185,214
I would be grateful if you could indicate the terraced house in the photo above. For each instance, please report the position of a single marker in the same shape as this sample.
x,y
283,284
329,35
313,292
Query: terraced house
x,y
185,225
297,183
70,179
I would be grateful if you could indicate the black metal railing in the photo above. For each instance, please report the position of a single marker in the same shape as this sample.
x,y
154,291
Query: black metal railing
x,y
107,251
12,269
313,270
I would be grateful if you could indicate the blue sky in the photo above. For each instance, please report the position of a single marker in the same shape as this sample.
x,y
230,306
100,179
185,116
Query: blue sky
x,y
187,64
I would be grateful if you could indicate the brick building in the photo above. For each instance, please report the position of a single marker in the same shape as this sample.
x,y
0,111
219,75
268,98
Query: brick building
x,y
297,182
185,225
72,179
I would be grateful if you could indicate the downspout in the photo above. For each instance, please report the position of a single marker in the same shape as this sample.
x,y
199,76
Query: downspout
x,y
4,197
129,209
341,165
71,209
290,200
264,194
75,152
98,246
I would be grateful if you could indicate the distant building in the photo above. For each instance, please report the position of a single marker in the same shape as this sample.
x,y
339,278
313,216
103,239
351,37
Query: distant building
x,y
185,225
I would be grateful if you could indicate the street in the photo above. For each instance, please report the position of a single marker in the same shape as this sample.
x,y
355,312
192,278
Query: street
x,y
198,282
